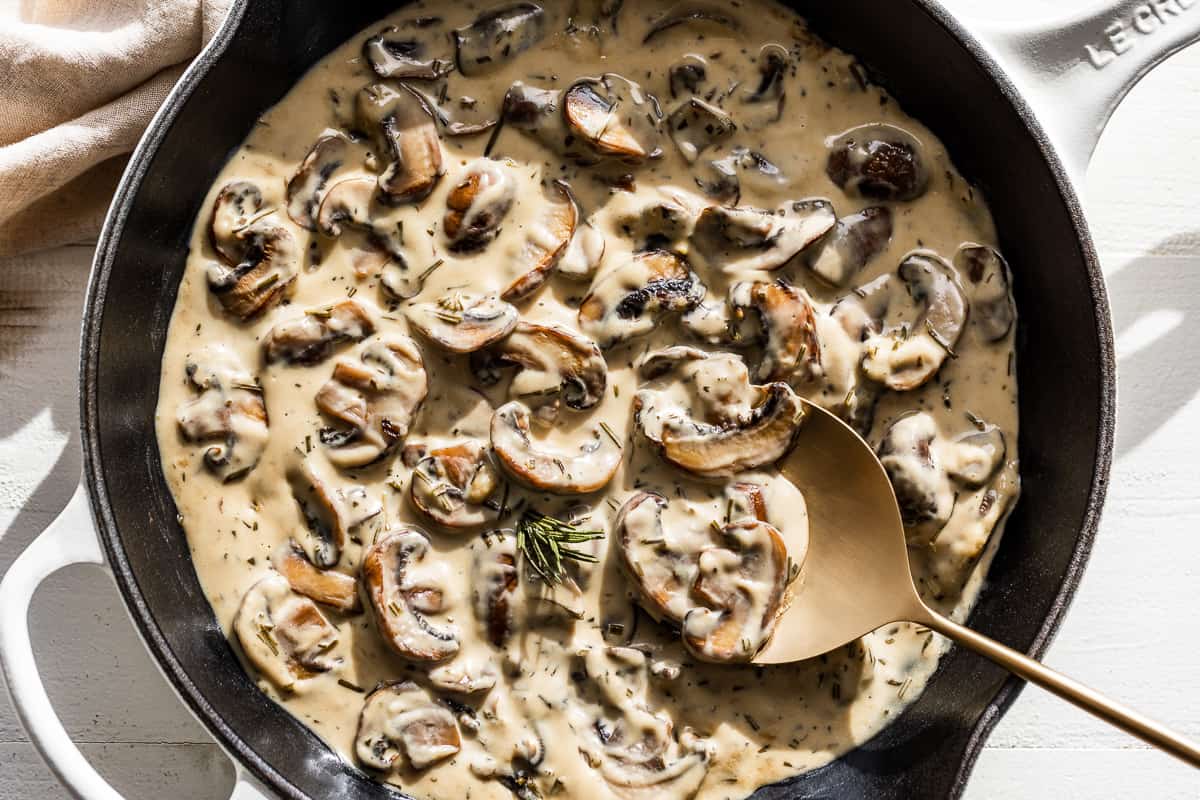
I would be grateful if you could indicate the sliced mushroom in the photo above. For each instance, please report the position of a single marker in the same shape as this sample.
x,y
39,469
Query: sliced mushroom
x,y
406,137
992,308
791,349
861,311
725,176
404,592
977,455
879,162
392,56
703,15
628,301
331,512
478,204
229,414
583,255
687,75
353,203
923,489
463,677
742,238
451,485
330,587
463,322
401,725
311,337
497,37
307,184
696,126
376,395
850,246
741,426
560,473
284,635
773,61
538,113
464,116
741,585
615,116
546,240
258,255
555,362
496,578
661,562
904,360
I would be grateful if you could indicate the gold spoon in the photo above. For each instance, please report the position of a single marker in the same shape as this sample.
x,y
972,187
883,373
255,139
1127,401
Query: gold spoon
x,y
856,576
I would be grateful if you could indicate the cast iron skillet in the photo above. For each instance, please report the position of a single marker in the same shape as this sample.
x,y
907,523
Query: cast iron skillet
x,y
937,71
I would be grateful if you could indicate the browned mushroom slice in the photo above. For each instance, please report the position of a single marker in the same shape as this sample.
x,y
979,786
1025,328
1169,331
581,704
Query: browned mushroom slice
x,y
330,587
741,585
496,578
878,162
376,395
906,359
463,322
850,246
743,238
661,562
497,37
478,204
352,203
405,592
229,414
704,16
615,116
330,511
258,255
696,126
791,349
307,184
560,473
284,635
401,725
628,301
992,308
554,361
546,240
392,56
923,490
310,338
407,138
451,485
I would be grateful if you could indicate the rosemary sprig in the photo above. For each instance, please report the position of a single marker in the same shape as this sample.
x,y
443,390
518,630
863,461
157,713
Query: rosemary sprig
x,y
546,543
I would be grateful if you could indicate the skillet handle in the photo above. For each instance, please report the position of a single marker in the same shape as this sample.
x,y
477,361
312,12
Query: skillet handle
x,y
70,539
1076,70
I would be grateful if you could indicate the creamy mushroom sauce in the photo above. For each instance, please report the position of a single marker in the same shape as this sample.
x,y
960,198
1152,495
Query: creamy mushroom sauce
x,y
572,689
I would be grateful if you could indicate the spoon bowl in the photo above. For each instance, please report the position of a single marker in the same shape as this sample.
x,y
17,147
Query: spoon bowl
x,y
856,576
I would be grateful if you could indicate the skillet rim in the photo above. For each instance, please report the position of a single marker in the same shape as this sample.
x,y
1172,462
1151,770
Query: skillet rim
x,y
104,518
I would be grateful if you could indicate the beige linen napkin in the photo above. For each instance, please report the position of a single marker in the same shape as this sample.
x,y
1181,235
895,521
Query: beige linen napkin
x,y
79,81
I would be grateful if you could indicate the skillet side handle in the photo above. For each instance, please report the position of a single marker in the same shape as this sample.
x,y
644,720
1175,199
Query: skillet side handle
x,y
70,539
1076,70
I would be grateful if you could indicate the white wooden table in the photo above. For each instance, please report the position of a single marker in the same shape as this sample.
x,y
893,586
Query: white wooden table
x,y
1132,630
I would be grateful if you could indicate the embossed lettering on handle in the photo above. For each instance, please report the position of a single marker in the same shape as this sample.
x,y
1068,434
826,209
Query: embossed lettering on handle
x,y
1123,34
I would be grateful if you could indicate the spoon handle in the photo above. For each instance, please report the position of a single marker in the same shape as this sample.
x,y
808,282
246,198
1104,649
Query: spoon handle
x,y
1070,690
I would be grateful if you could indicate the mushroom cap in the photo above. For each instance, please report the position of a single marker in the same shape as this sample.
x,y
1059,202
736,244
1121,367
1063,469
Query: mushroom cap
x,y
376,395
392,56
743,239
546,241
851,245
904,361
451,485
879,162
259,256
464,322
791,348
627,301
554,360
310,338
330,587
977,455
478,204
401,723
406,137
307,184
989,280
284,635
498,36
589,470
614,116
331,511
922,487
228,415
404,592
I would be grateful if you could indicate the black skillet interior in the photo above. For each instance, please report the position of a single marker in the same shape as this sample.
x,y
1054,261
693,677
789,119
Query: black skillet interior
x,y
1064,366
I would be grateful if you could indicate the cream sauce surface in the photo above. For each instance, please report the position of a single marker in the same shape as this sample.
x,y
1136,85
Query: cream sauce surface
x,y
291,439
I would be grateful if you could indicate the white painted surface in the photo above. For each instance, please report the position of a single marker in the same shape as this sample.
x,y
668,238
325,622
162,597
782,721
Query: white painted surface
x,y
1132,631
